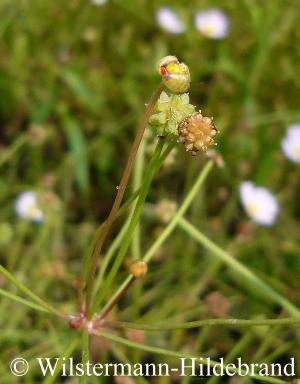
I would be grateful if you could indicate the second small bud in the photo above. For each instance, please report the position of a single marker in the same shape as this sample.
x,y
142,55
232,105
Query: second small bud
x,y
138,268
175,75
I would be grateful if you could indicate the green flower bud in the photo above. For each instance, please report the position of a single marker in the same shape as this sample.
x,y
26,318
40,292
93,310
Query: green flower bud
x,y
175,75
169,111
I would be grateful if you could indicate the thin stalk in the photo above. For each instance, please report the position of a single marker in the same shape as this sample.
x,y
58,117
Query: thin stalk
x,y
23,301
287,347
118,294
110,253
179,355
264,289
170,227
119,197
115,245
232,323
181,211
117,298
121,211
29,293
138,173
137,182
134,220
84,355
88,253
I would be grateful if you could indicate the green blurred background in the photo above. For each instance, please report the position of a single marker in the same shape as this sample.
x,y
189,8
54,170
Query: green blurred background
x,y
74,79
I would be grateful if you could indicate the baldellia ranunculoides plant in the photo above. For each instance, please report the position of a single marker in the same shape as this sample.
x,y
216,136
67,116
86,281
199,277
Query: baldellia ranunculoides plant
x,y
174,120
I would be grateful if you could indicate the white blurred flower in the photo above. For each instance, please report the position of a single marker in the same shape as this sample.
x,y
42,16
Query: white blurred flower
x,y
99,2
165,210
291,143
213,23
27,207
259,203
169,20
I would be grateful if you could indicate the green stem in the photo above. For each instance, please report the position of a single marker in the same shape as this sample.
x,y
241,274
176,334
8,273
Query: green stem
x,y
119,197
119,238
134,220
23,301
109,254
84,355
137,182
208,322
138,173
263,288
29,293
89,251
179,355
181,211
170,227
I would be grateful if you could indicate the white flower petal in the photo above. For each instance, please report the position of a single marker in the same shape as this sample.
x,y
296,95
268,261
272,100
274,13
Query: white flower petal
x,y
259,203
213,23
99,2
169,21
290,144
26,207
246,191
293,131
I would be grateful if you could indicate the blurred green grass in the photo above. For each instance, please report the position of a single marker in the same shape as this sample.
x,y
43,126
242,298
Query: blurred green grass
x,y
82,74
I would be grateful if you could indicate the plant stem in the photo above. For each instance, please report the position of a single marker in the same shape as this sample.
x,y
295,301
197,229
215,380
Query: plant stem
x,y
118,294
107,258
208,322
23,301
117,298
178,355
121,189
137,182
135,249
181,211
29,293
168,230
88,253
122,210
134,220
264,289
84,355
120,237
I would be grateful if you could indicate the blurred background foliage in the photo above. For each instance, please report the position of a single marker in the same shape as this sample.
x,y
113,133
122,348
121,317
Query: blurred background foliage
x,y
74,79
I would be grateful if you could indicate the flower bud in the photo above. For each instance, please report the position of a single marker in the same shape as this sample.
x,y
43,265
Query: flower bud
x,y
175,75
196,133
169,111
139,268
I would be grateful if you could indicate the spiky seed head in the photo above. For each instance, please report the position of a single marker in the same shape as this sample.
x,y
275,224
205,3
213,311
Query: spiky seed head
x,y
175,75
196,133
